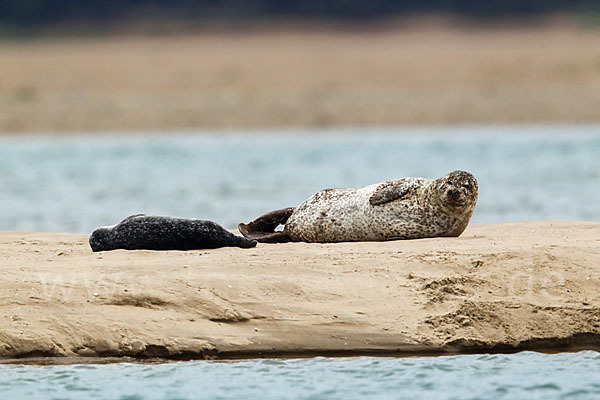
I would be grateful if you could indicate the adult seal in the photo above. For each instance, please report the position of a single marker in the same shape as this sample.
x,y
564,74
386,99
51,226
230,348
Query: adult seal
x,y
141,232
407,208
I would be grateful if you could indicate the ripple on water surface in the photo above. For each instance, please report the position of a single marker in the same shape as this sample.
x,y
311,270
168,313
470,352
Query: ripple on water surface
x,y
75,184
525,375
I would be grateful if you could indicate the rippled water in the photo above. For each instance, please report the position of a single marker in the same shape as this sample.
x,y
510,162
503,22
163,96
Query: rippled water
x,y
524,375
77,183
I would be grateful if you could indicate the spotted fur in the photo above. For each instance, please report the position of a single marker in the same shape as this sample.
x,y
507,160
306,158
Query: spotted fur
x,y
408,208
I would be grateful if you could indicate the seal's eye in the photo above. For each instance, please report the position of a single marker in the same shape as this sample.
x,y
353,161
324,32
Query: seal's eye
x,y
467,186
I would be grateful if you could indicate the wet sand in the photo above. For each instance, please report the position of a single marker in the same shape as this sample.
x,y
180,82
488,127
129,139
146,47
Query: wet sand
x,y
298,78
508,287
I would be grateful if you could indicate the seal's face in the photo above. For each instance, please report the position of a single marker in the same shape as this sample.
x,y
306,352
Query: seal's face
x,y
458,189
99,240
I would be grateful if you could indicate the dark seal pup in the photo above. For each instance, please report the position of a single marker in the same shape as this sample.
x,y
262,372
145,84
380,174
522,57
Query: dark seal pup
x,y
407,208
141,232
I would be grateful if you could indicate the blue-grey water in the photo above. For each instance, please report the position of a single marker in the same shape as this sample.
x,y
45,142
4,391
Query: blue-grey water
x,y
75,184
524,375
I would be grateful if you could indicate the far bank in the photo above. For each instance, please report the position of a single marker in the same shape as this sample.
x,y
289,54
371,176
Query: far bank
x,y
301,78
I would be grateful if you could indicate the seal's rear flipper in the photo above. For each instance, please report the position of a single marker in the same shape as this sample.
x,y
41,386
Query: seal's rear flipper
x,y
263,237
245,243
277,237
263,228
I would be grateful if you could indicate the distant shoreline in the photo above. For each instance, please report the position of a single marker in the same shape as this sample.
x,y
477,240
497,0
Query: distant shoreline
x,y
428,74
549,128
182,26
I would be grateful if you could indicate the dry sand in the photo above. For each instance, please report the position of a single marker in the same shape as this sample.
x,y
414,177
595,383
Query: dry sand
x,y
496,288
418,75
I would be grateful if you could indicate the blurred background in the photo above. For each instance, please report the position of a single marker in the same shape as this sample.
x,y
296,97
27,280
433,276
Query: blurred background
x,y
76,65
228,109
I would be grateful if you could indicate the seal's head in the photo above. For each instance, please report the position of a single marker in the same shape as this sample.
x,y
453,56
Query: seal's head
x,y
458,189
100,240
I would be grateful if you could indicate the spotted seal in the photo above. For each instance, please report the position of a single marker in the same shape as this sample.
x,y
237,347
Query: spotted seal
x,y
142,232
407,208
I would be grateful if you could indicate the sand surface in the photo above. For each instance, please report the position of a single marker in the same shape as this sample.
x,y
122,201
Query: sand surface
x,y
496,288
256,79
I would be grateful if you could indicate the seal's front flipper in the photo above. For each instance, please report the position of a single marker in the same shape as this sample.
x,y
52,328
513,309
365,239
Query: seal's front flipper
x,y
390,191
263,228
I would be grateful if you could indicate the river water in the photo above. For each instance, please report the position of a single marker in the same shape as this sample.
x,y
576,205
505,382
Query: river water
x,y
525,375
77,183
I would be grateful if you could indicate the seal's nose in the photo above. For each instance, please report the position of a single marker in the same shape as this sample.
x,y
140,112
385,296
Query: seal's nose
x,y
453,193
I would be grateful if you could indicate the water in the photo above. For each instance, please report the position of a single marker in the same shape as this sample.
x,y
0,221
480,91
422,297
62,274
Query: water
x,y
75,184
524,375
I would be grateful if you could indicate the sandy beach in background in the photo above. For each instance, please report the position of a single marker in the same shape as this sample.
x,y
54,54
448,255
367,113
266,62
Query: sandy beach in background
x,y
530,285
256,79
